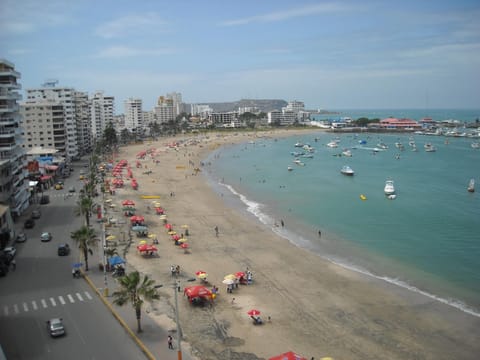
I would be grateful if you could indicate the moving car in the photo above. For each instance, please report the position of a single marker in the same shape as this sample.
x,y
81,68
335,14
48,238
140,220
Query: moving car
x,y
21,237
71,189
63,250
29,224
46,236
36,214
58,186
55,327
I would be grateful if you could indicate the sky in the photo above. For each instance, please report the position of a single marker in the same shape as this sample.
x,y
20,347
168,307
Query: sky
x,y
364,54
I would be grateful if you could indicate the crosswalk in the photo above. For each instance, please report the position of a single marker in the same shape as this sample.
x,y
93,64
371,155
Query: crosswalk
x,y
34,305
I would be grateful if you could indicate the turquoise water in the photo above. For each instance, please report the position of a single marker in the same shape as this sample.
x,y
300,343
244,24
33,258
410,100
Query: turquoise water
x,y
426,240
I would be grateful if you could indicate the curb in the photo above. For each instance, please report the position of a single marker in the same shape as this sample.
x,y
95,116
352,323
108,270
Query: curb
x,y
140,344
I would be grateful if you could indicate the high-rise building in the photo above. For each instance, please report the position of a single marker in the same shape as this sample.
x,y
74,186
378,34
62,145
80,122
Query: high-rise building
x,y
133,115
101,112
14,191
83,123
66,97
177,103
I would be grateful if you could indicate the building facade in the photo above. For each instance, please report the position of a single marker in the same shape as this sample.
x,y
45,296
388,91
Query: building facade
x,y
65,96
14,191
133,115
102,110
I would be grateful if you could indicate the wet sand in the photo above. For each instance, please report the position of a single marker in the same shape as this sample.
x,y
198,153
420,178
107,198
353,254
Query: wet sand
x,y
317,308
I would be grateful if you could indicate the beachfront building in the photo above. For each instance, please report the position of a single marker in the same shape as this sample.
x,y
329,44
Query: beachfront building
x,y
225,119
203,111
165,110
64,96
177,103
133,115
43,123
399,124
102,110
83,122
13,183
281,118
7,228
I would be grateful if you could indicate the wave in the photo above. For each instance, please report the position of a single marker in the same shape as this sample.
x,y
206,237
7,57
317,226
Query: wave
x,y
256,209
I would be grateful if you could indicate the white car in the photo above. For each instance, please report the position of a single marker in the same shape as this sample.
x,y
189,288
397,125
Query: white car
x,y
22,237
46,236
55,327
10,251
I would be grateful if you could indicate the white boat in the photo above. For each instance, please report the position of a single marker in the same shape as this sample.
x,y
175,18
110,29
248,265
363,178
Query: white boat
x,y
347,153
475,145
399,145
347,170
289,168
392,197
471,186
429,147
382,146
332,144
389,187
298,162
298,144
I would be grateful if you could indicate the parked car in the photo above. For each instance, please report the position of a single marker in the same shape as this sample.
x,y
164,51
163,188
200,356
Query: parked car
x,y
55,327
71,189
45,199
10,252
29,224
46,236
36,214
63,250
21,237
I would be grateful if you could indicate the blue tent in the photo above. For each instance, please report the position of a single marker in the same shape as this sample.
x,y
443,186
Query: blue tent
x,y
116,260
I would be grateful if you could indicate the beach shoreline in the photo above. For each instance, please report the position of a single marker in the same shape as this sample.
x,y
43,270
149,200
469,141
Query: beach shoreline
x,y
317,308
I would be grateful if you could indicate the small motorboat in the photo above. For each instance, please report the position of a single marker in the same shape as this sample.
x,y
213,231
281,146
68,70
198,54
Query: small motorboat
x,y
389,187
392,197
471,186
347,170
347,153
289,168
363,197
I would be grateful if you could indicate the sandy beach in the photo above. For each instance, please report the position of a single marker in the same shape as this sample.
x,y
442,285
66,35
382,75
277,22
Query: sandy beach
x,y
316,308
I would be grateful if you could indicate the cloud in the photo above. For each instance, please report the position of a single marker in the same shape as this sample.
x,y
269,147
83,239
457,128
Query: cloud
x,y
125,51
130,24
288,14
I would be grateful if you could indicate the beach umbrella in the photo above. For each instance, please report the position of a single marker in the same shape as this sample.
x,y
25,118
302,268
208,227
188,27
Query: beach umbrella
x,y
159,211
201,274
230,277
185,226
184,246
197,291
137,218
139,228
182,240
110,238
290,355
172,232
239,274
152,236
116,260
128,203
228,281
253,312
163,217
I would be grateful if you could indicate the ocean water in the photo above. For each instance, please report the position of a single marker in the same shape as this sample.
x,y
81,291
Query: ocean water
x,y
426,240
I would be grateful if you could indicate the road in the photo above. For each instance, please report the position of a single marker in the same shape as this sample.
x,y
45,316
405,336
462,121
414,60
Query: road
x,y
42,287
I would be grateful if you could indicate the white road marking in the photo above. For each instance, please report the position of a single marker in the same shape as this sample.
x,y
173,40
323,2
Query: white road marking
x,y
88,295
79,296
44,303
52,300
34,305
70,297
15,309
25,307
62,300
5,310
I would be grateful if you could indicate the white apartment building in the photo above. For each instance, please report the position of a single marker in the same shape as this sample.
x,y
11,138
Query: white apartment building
x,y
133,114
83,122
14,191
43,123
283,118
65,96
201,110
176,103
102,110
225,119
165,110
295,106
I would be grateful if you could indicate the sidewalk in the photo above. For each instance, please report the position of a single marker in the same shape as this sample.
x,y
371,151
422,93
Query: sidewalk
x,y
153,339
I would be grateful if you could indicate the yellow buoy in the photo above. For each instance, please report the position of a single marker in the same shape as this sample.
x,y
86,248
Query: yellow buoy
x,y
363,197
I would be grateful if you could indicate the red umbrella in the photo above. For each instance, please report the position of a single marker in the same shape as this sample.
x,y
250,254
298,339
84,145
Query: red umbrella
x,y
168,226
184,246
128,203
146,248
197,291
159,210
137,218
288,356
239,274
175,237
200,272
253,312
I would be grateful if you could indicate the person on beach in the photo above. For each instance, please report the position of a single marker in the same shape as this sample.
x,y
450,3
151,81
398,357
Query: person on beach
x,y
170,342
319,233
216,231
282,223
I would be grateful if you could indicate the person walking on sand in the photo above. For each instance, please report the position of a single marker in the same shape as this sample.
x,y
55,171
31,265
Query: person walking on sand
x,y
216,231
281,222
319,233
170,341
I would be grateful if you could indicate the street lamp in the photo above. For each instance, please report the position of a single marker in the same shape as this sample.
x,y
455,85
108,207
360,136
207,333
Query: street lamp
x,y
176,289
104,245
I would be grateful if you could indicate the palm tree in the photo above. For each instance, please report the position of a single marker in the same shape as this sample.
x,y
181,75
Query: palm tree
x,y
84,208
137,291
85,238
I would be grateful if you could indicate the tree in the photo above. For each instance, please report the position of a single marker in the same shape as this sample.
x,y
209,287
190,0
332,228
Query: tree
x,y
85,238
110,135
136,291
125,136
84,208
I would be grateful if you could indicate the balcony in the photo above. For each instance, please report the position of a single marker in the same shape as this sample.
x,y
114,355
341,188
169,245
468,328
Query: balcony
x,y
7,108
